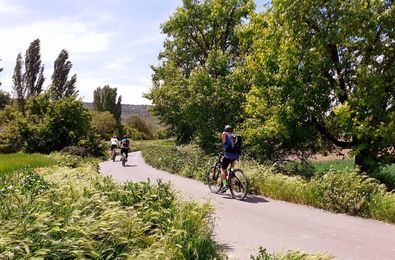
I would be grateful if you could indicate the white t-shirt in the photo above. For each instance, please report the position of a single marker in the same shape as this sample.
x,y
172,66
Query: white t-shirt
x,y
114,141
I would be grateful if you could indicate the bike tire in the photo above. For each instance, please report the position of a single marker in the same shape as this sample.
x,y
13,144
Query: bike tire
x,y
213,178
123,160
238,184
113,157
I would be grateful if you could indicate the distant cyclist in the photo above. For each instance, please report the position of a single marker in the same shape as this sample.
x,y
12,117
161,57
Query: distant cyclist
x,y
124,144
231,154
114,143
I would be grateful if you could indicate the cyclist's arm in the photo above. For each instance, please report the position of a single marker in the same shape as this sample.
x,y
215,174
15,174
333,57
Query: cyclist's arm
x,y
223,137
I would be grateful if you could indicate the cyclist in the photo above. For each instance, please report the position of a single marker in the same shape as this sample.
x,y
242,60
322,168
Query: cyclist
x,y
124,144
230,155
113,144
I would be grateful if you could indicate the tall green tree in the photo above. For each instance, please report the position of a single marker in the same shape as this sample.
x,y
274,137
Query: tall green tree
x,y
105,99
34,70
198,87
19,87
28,83
323,74
62,86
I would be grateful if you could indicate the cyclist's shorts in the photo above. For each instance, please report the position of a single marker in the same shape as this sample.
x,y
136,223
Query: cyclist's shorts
x,y
113,146
125,150
226,162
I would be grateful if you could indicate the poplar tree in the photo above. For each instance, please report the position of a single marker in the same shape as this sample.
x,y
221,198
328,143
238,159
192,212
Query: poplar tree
x,y
105,99
62,86
34,71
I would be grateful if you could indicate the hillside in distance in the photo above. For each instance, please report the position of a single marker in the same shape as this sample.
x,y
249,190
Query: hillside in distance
x,y
129,110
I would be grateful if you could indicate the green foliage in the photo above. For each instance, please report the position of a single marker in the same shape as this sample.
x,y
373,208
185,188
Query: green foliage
x,y
74,213
349,193
138,128
105,99
188,160
290,255
198,87
5,99
11,162
322,75
48,125
61,86
104,124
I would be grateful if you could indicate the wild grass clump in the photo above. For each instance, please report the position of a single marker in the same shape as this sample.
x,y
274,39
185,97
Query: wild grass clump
x,y
74,213
349,193
342,191
290,255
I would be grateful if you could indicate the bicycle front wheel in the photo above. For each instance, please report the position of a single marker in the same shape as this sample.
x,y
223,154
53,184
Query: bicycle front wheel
x,y
238,184
213,178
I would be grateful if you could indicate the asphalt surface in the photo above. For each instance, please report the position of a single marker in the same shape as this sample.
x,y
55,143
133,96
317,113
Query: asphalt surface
x,y
241,227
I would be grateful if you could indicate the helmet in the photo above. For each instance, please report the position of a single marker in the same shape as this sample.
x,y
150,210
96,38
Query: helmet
x,y
114,136
228,129
125,136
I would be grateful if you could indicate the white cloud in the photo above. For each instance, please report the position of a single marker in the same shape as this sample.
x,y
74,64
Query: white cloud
x,y
6,7
74,36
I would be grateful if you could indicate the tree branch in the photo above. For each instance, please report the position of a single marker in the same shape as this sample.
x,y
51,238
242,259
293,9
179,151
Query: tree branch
x,y
327,135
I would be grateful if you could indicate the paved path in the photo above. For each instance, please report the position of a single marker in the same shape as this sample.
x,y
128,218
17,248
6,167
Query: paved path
x,y
242,226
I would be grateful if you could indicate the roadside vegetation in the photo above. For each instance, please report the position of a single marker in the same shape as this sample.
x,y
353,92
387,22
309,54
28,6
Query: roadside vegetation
x,y
11,162
337,190
290,255
72,212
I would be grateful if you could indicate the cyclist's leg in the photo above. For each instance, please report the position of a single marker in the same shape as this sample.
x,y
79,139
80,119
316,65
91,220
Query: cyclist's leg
x,y
224,166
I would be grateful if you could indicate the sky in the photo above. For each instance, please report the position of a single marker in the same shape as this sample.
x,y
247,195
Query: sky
x,y
110,42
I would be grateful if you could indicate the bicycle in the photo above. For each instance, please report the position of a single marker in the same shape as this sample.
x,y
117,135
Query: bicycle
x,y
238,182
123,159
113,154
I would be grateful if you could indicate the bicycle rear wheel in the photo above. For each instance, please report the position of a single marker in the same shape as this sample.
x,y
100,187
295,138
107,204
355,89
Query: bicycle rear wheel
x,y
238,184
123,159
113,155
213,178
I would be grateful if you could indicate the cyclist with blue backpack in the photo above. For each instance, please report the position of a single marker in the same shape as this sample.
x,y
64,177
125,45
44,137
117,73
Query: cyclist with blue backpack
x,y
231,144
124,144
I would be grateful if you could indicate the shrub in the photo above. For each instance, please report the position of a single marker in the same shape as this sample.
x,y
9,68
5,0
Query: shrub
x,y
348,193
48,125
76,150
104,123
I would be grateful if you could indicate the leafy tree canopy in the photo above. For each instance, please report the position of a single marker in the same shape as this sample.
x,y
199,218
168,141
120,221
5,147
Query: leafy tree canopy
x,y
198,88
323,73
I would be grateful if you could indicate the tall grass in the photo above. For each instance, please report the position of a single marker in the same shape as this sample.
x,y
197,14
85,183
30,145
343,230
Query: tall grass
x,y
14,161
342,191
290,255
74,213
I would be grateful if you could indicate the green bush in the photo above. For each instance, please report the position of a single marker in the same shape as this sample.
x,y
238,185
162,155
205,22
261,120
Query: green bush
x,y
73,213
348,193
48,125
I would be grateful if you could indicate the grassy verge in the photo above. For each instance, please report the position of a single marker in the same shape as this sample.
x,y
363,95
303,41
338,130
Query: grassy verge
x,y
341,191
65,213
14,161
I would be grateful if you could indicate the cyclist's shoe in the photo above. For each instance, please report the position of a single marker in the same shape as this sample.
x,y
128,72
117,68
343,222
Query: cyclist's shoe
x,y
224,189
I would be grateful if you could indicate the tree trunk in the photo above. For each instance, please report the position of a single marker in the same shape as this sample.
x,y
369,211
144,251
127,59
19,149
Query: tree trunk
x,y
366,160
